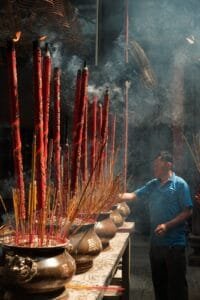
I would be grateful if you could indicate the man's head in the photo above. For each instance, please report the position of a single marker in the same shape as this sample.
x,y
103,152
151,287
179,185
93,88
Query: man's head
x,y
162,165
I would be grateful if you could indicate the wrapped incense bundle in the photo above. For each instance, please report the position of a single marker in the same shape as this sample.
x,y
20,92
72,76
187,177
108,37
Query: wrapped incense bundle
x,y
104,129
46,87
98,136
125,133
126,30
40,159
93,135
15,126
75,125
84,152
112,143
66,168
99,120
56,133
78,129
49,160
76,103
113,135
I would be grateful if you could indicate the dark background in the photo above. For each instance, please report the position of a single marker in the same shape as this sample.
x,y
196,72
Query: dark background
x,y
168,34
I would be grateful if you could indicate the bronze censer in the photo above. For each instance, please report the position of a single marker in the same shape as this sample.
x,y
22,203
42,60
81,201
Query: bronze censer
x,y
35,270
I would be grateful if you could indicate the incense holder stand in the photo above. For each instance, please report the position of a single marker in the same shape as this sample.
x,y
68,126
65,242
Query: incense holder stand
x,y
36,270
85,246
105,228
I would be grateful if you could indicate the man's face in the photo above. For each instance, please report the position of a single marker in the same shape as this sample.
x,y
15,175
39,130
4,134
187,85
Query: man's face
x,y
160,167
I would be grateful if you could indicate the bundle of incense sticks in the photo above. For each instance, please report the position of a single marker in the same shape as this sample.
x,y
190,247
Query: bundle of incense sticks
x,y
65,182
79,116
93,136
100,191
15,126
104,129
46,80
56,136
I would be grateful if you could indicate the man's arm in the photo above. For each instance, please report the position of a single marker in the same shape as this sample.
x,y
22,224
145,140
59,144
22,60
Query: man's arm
x,y
127,196
161,229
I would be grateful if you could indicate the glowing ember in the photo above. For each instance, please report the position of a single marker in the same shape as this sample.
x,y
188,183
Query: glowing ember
x,y
17,36
42,38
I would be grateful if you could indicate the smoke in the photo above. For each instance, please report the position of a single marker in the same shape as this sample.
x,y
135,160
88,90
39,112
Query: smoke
x,y
165,35
73,65
115,91
93,90
56,54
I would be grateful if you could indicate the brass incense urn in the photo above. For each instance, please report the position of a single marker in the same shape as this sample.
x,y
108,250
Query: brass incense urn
x,y
35,270
85,246
124,209
105,228
117,218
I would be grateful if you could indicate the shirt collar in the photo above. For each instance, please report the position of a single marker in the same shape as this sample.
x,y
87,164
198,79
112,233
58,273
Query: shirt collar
x,y
170,179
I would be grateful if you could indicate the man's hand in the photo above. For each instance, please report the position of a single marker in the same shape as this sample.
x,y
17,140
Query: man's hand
x,y
126,196
161,229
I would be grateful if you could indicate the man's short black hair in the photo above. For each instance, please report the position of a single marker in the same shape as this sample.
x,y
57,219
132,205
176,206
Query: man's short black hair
x,y
165,155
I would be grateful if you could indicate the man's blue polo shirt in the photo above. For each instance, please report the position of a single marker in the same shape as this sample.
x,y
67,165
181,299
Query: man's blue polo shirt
x,y
165,202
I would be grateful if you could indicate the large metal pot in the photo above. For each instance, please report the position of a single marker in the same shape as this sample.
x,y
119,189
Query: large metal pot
x,y
116,217
105,228
36,270
124,209
85,246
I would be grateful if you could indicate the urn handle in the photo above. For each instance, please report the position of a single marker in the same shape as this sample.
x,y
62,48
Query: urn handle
x,y
22,268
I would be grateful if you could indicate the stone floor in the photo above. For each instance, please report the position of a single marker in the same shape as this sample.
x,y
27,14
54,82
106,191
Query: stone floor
x,y
141,285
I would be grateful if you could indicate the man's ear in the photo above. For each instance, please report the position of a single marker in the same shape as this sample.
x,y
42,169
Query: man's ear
x,y
169,164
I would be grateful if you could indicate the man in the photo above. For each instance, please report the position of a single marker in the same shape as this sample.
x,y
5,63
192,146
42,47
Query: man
x,y
170,205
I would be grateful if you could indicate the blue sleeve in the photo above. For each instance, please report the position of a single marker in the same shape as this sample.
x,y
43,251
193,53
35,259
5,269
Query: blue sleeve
x,y
184,195
144,190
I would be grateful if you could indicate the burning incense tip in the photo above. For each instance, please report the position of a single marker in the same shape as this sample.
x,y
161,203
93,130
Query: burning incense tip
x,y
42,38
107,90
17,36
127,84
190,39
47,52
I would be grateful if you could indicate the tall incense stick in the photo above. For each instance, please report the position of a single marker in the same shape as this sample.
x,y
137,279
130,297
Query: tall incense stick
x,y
125,133
15,125
77,139
46,87
97,34
126,30
126,96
